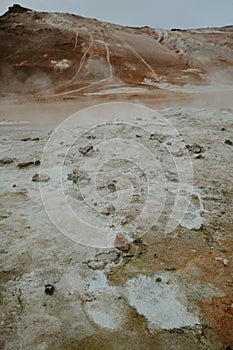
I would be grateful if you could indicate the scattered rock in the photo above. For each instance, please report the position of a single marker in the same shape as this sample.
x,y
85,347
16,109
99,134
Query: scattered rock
x,y
30,139
26,164
195,148
200,156
170,269
228,142
158,279
219,258
225,262
137,241
121,243
91,137
40,178
96,265
87,150
49,289
78,175
155,137
6,161
111,187
108,210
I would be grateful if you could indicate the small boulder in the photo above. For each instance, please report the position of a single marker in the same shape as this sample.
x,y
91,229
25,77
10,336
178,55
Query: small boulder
x,y
229,142
121,243
40,178
87,150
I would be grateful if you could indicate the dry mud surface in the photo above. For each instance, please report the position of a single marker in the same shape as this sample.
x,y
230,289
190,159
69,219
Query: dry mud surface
x,y
116,222
63,284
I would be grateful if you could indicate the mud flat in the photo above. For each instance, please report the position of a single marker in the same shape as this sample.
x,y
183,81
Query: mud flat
x,y
61,287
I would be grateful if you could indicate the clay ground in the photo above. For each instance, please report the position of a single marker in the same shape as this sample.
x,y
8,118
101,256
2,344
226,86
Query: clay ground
x,y
169,290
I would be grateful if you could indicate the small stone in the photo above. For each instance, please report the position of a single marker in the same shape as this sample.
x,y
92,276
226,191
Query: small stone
x,y
121,243
228,142
96,265
85,150
40,178
200,156
195,148
158,279
111,187
6,161
78,175
225,262
219,258
137,241
170,269
14,185
49,289
37,162
108,210
25,164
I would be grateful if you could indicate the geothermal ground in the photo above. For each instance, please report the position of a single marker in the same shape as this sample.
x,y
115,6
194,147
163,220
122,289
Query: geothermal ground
x,y
116,185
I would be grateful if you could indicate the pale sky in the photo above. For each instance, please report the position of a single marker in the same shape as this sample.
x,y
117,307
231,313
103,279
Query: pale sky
x,y
154,13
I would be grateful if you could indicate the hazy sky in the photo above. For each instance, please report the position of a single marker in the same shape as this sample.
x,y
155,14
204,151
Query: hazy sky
x,y
154,13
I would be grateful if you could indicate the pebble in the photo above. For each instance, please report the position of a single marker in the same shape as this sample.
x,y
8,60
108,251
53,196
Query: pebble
x,y
108,210
121,243
219,258
26,164
78,175
49,289
195,148
6,161
85,150
228,142
225,262
40,178
96,265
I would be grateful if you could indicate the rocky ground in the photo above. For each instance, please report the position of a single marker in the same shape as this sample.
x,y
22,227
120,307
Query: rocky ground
x,y
116,219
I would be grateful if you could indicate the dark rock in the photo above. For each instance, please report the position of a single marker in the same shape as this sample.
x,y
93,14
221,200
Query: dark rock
x,y
195,148
137,241
228,142
30,139
49,289
200,156
25,164
111,187
6,161
155,137
158,279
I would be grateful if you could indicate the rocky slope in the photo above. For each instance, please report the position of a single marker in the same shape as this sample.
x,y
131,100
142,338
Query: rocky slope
x,y
116,219
67,55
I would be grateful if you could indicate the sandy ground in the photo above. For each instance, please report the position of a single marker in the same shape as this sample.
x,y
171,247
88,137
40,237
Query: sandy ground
x,y
173,288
